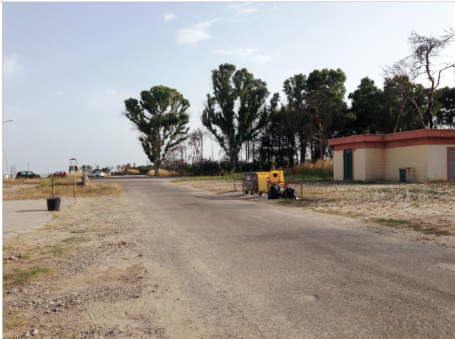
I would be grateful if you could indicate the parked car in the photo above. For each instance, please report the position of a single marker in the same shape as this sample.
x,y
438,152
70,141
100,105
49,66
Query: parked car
x,y
58,175
27,174
96,174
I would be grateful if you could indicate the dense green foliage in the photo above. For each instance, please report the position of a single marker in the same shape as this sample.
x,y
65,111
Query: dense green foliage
x,y
235,113
161,118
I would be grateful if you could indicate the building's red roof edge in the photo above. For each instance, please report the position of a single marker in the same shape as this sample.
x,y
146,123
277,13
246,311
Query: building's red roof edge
x,y
421,133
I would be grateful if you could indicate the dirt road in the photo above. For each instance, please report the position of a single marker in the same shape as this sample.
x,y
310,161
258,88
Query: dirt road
x,y
167,261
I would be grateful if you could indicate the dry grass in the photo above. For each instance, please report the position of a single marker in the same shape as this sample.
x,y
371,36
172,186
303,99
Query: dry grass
x,y
133,172
164,173
23,189
13,319
309,171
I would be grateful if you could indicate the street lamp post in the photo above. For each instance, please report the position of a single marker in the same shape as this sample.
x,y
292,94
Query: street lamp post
x,y
4,122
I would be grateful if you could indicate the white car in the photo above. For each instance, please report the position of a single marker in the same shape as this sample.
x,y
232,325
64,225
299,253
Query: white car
x,y
96,174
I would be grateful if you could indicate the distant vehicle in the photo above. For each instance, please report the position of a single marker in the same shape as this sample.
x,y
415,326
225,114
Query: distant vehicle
x,y
96,174
58,175
27,174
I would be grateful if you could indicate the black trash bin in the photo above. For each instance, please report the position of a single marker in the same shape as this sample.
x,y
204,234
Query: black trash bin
x,y
53,204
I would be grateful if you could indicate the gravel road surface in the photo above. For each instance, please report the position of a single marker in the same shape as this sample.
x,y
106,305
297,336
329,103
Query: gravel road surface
x,y
240,268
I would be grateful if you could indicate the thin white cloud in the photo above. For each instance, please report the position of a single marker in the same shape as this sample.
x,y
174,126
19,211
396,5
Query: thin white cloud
x,y
248,54
248,10
195,33
12,65
169,16
244,8
274,7
240,6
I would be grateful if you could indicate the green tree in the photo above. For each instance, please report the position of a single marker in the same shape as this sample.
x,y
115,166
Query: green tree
x,y
161,118
445,106
295,90
324,102
236,112
366,106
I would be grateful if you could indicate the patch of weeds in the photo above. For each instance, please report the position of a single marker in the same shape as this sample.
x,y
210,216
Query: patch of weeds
x,y
435,231
414,226
55,287
69,240
22,256
417,190
76,232
125,258
58,251
13,319
390,222
287,201
136,267
22,277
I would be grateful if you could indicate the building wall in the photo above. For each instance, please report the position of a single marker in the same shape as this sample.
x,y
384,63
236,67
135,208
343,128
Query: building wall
x,y
415,157
379,157
358,164
437,162
338,165
375,164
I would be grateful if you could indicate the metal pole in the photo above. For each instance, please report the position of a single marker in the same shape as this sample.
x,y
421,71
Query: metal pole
x,y
52,185
75,184
6,161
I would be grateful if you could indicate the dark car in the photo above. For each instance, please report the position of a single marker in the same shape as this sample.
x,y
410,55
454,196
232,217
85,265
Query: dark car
x,y
27,174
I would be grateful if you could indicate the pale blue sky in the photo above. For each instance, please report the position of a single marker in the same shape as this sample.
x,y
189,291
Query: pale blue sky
x,y
68,67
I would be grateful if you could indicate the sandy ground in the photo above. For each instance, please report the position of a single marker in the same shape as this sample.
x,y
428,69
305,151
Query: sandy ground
x,y
20,216
420,212
93,252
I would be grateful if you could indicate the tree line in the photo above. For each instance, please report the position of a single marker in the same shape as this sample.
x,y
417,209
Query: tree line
x,y
257,130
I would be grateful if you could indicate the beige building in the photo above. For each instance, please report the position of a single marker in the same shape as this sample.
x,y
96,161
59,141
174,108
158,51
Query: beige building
x,y
415,156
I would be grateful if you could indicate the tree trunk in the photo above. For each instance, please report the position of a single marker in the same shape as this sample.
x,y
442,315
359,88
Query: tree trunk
x,y
321,148
430,111
157,166
399,116
303,144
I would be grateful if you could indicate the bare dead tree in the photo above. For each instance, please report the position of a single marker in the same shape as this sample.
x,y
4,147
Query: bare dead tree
x,y
196,142
424,59
173,157
402,77
425,62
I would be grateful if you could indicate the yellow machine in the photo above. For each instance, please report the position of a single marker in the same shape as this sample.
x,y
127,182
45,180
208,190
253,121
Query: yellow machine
x,y
258,182
269,177
272,183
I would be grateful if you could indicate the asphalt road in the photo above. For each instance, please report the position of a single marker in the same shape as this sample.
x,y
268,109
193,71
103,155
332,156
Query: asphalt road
x,y
254,270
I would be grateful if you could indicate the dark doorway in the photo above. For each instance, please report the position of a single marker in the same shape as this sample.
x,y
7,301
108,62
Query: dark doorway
x,y
347,153
451,164
402,175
